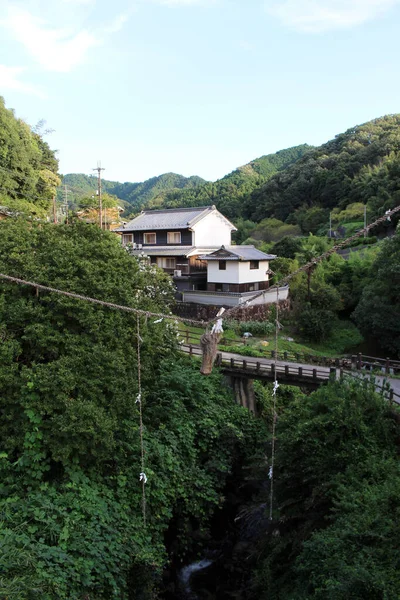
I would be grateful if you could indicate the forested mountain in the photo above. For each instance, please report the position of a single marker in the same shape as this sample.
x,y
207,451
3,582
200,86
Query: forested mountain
x,y
28,167
171,190
136,195
361,165
228,193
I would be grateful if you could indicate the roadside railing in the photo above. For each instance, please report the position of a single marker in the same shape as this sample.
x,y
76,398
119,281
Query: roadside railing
x,y
349,362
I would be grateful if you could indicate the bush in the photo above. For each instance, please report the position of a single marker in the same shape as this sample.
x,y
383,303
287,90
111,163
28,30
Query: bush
x,y
260,328
316,324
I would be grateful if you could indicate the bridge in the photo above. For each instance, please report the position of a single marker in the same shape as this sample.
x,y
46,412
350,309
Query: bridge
x,y
242,370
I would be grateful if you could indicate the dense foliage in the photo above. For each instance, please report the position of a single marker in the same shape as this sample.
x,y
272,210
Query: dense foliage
x,y
70,497
172,191
290,192
358,166
228,193
336,516
28,168
378,312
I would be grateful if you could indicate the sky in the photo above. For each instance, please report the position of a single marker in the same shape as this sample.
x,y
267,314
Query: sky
x,y
197,87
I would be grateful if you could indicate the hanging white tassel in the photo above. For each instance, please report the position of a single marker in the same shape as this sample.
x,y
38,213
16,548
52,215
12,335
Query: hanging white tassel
x,y
143,477
217,327
276,385
138,399
271,472
158,321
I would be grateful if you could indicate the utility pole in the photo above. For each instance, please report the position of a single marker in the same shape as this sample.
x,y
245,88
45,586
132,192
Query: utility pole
x,y
99,170
365,220
66,203
54,209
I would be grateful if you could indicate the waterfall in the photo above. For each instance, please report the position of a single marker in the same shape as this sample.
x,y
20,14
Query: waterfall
x,y
187,572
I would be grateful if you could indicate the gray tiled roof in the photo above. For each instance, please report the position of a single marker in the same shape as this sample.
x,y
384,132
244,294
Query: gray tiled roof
x,y
172,218
238,253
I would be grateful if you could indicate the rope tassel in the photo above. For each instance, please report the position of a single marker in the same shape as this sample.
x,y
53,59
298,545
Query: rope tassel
x,y
274,419
142,476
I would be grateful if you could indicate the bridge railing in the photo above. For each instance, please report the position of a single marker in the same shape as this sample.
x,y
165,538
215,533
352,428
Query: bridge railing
x,y
349,362
383,388
258,369
374,363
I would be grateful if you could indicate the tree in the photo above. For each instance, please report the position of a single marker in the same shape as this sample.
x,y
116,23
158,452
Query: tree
x,y
337,478
287,247
378,312
360,165
70,497
28,168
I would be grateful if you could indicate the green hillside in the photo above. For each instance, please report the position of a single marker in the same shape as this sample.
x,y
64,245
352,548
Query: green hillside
x,y
229,192
361,165
136,195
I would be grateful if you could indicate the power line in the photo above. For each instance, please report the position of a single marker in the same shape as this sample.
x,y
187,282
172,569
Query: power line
x,y
129,309
230,311
315,261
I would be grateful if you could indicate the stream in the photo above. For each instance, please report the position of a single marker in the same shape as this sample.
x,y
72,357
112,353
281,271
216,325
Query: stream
x,y
221,566
186,574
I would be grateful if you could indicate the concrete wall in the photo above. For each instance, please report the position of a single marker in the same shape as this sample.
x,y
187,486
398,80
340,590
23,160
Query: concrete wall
x,y
212,231
222,299
237,272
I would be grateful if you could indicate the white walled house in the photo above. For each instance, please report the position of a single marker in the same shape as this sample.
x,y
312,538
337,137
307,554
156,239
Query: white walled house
x,y
237,269
234,275
175,238
194,246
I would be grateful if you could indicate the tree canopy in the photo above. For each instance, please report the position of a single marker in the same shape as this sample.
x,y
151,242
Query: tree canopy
x,y
337,478
28,167
378,312
70,496
358,166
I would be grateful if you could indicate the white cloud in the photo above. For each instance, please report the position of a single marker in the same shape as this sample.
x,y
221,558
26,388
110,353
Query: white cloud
x,y
183,2
55,48
317,16
83,2
117,23
9,79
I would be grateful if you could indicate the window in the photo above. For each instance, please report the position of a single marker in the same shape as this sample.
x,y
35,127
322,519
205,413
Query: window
x,y
173,237
218,286
253,287
166,263
254,264
222,265
127,238
149,238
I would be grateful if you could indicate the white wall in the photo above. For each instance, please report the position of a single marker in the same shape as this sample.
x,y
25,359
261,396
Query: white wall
x,y
221,299
212,231
237,272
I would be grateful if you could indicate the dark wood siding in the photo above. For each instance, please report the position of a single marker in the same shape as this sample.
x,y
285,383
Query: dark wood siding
x,y
161,237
